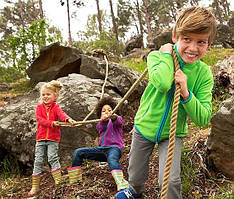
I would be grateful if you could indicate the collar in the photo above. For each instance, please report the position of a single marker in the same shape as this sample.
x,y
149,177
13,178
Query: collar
x,y
48,106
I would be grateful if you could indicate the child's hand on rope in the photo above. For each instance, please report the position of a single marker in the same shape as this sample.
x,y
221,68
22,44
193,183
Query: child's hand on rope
x,y
166,48
55,123
181,79
113,116
71,121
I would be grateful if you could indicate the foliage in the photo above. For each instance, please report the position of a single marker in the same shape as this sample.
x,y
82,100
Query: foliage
x,y
106,42
189,170
136,64
9,166
221,9
16,15
124,14
23,46
225,193
91,27
18,87
10,74
216,54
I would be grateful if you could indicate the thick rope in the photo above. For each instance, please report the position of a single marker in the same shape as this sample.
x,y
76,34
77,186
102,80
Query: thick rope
x,y
171,145
136,83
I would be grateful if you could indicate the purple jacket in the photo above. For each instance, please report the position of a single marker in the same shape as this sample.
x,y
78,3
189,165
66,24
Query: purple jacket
x,y
111,133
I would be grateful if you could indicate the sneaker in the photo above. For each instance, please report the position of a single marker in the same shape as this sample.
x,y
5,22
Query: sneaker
x,y
127,194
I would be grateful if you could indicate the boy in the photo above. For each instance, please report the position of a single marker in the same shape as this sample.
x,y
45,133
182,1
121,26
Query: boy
x,y
193,34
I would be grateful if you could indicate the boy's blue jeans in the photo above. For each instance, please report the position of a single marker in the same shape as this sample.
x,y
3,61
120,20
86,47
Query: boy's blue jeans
x,y
110,155
42,149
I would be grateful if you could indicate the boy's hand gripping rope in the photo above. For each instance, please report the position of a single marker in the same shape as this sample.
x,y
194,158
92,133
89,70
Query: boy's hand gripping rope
x,y
171,145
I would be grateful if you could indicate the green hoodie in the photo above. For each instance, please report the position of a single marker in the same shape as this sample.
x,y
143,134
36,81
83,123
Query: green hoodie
x,y
153,116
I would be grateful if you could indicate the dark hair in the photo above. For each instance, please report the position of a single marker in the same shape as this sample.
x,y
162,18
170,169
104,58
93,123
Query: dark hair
x,y
102,102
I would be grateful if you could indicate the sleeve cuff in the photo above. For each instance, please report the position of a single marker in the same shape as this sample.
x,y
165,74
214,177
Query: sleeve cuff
x,y
186,101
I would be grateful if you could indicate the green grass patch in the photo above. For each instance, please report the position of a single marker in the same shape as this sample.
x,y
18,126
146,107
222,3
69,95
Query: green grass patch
x,y
19,87
226,192
188,171
136,64
9,166
216,54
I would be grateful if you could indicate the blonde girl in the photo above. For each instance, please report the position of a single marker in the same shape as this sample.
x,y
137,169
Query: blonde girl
x,y
48,133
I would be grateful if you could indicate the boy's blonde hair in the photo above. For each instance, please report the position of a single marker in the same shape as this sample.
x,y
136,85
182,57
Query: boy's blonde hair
x,y
54,86
196,20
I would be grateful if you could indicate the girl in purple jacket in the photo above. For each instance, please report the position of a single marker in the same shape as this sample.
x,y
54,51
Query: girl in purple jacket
x,y
109,148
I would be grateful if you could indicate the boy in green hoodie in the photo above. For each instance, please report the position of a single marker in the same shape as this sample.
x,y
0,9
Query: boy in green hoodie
x,y
193,34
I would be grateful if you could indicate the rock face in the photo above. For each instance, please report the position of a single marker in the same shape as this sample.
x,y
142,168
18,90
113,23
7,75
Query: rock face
x,y
134,42
221,140
224,79
77,98
55,61
224,36
162,38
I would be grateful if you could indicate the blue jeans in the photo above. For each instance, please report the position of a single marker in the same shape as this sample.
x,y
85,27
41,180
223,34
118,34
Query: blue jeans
x,y
110,155
42,149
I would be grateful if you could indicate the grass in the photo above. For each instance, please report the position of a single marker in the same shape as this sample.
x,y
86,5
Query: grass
x,y
136,64
19,87
226,192
10,171
188,171
216,54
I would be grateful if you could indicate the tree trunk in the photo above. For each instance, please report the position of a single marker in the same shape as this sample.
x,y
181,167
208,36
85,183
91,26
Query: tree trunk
x,y
226,8
218,12
139,17
99,17
147,19
41,9
69,25
21,13
113,21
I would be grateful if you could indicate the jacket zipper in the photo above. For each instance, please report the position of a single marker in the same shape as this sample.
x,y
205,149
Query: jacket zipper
x,y
104,135
47,129
168,105
165,114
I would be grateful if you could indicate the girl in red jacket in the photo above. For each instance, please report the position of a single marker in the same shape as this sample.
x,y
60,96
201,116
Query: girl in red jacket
x,y
48,133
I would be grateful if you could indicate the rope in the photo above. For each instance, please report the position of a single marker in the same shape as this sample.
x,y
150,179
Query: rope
x,y
103,88
171,145
136,83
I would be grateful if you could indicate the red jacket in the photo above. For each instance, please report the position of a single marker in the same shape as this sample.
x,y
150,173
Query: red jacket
x,y
45,118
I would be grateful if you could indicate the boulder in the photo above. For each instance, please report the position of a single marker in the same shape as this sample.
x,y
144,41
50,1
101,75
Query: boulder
x,y
224,36
134,42
162,38
221,139
57,61
224,79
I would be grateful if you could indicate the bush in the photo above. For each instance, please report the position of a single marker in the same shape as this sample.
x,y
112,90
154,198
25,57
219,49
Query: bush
x,y
10,74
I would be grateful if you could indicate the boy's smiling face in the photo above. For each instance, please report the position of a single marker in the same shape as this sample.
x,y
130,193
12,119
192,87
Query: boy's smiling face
x,y
192,46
